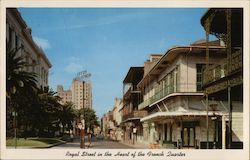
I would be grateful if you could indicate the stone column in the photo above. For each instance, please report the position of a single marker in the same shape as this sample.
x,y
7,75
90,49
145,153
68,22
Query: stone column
x,y
145,131
223,120
153,133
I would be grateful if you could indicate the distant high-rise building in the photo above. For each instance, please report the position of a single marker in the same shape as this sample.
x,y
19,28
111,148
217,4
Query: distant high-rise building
x,y
66,95
80,93
88,94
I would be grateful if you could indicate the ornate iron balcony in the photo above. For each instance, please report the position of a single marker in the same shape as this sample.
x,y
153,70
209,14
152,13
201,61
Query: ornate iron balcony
x,y
216,72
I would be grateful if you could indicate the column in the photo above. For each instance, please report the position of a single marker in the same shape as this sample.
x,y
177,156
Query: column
x,y
145,131
223,120
163,132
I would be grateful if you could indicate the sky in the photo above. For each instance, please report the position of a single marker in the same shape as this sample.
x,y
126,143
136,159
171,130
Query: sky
x,y
106,42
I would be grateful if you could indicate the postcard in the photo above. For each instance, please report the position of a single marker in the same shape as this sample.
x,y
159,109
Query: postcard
x,y
124,79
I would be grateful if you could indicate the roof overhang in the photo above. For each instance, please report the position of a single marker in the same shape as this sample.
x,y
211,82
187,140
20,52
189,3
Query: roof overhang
x,y
181,113
218,22
134,75
174,52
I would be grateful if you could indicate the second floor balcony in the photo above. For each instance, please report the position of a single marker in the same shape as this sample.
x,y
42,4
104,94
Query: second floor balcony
x,y
134,115
217,72
166,91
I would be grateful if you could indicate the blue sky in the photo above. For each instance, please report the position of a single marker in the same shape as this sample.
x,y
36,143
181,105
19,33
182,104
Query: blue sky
x,y
107,41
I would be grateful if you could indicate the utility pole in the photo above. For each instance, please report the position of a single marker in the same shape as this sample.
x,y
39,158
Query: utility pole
x,y
82,131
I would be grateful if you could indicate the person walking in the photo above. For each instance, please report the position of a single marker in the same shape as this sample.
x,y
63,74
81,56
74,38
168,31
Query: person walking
x,y
89,133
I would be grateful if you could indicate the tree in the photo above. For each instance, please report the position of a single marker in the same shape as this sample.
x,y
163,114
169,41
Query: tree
x,y
67,115
16,77
89,117
49,116
20,85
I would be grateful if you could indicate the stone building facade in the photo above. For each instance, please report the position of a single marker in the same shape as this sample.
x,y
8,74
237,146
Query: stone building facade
x,y
19,38
173,96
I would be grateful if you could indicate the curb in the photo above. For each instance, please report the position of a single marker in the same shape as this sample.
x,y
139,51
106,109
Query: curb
x,y
51,145
37,147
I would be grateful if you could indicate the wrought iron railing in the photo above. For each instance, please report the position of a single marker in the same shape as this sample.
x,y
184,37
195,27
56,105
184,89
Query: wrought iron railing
x,y
134,114
179,88
216,72
144,104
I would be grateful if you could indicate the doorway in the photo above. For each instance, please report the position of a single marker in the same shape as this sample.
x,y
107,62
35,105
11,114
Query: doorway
x,y
188,136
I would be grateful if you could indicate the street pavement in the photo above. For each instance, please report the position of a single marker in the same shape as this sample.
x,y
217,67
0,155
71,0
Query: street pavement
x,y
96,144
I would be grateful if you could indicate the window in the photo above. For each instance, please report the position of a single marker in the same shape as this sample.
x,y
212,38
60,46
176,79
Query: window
x,y
16,41
33,66
199,76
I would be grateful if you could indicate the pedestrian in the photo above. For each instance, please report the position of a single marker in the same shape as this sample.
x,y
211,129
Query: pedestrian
x,y
71,137
89,132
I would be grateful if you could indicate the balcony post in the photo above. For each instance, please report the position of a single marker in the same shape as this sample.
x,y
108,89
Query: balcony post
x,y
207,121
229,62
207,29
228,43
230,118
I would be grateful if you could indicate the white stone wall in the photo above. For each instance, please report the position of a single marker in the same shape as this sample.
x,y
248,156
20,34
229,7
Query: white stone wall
x,y
237,120
237,126
203,130
117,114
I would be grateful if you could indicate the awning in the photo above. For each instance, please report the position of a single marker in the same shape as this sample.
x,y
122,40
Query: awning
x,y
182,113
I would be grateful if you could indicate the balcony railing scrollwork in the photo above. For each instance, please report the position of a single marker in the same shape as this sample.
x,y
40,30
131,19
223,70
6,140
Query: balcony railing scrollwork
x,y
216,72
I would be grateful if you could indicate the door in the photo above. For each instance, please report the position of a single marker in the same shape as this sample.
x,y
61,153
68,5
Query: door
x,y
188,136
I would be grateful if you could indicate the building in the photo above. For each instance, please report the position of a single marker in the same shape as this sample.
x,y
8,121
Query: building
x,y
81,91
111,121
87,94
117,117
132,127
117,114
172,94
77,90
223,82
66,95
108,125
19,38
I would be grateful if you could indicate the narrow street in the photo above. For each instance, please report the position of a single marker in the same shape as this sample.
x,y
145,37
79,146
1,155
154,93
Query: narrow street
x,y
96,144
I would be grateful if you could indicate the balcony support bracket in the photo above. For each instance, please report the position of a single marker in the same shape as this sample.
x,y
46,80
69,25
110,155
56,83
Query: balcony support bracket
x,y
159,107
165,106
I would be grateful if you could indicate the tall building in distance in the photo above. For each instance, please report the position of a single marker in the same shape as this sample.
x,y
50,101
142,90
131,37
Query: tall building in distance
x,y
66,95
80,92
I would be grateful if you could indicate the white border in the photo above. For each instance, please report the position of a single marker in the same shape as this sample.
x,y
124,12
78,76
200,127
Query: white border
x,y
60,153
